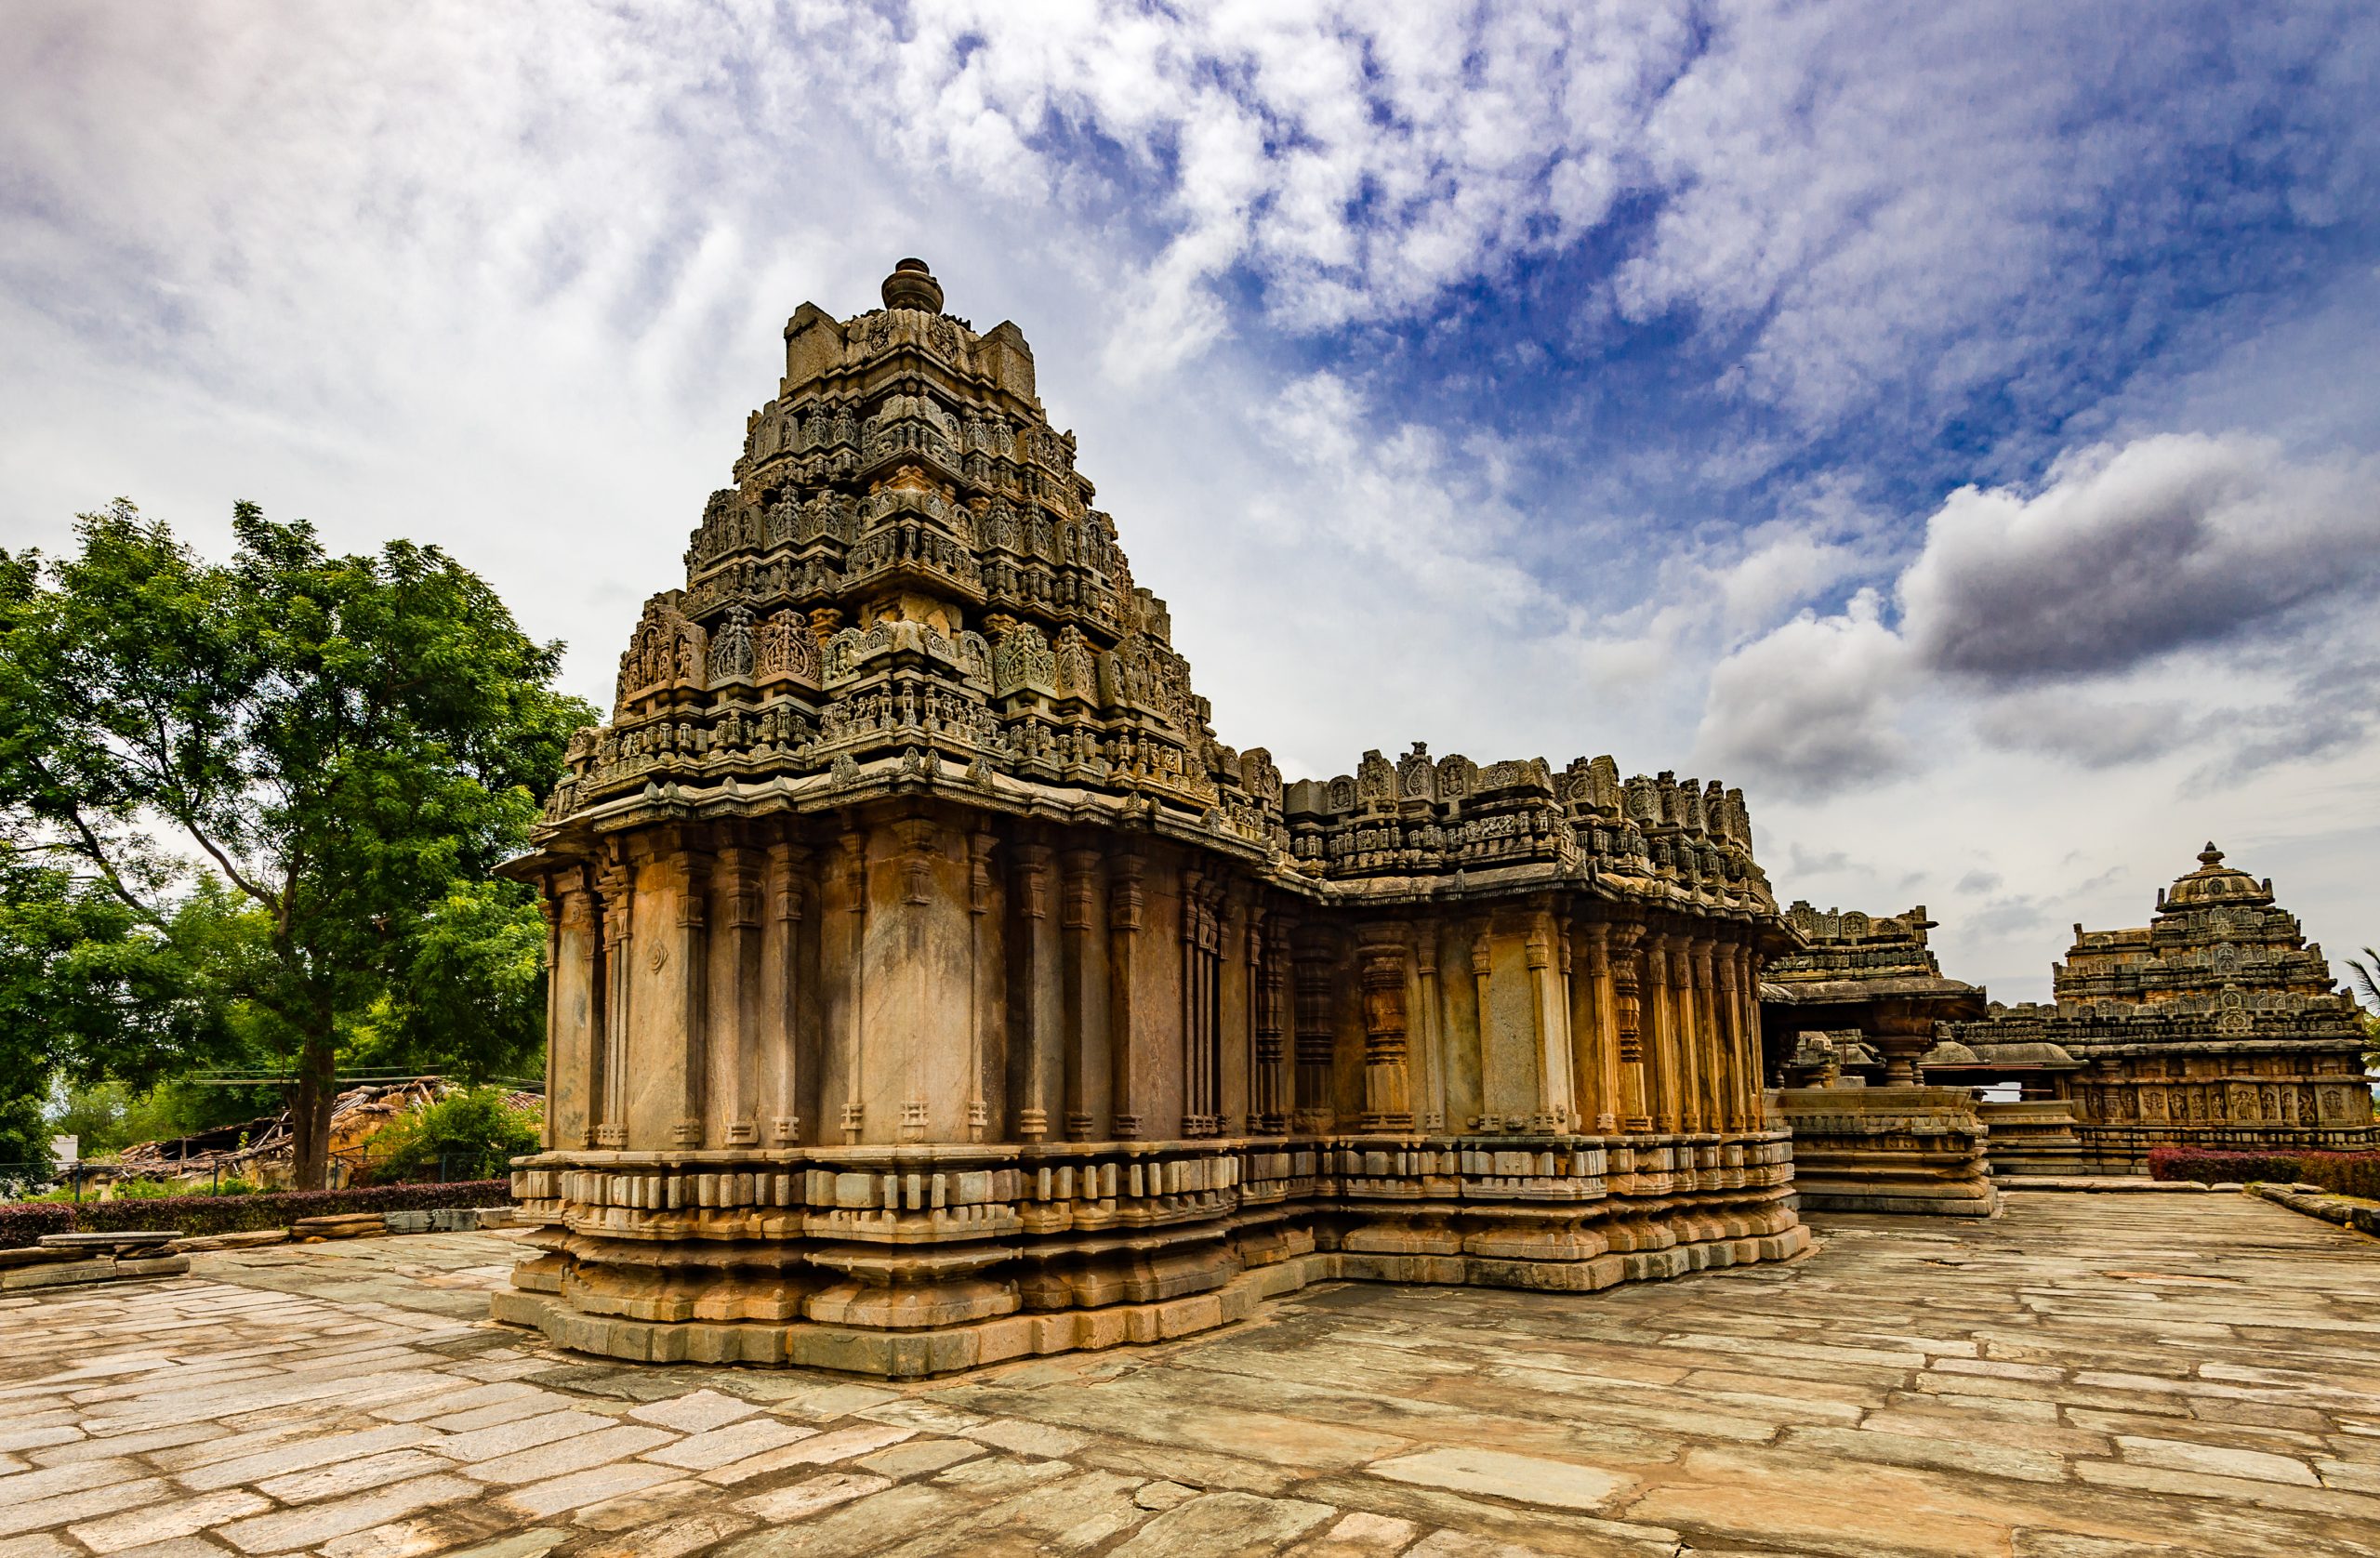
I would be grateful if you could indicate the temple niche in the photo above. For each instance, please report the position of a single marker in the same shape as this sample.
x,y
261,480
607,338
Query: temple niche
x,y
2213,1025
931,987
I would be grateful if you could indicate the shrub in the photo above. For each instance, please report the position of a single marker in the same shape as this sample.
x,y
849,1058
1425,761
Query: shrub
x,y
194,1215
471,1134
2341,1173
145,1190
23,1223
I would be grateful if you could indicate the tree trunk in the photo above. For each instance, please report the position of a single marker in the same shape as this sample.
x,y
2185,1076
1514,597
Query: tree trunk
x,y
309,1113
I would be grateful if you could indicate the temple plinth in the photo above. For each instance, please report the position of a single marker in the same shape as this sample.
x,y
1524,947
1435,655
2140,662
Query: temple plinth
x,y
931,987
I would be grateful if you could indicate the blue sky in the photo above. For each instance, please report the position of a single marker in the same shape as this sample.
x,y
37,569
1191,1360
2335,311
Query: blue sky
x,y
1955,425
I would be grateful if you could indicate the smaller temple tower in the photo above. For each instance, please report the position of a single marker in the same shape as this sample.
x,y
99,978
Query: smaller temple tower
x,y
2215,1024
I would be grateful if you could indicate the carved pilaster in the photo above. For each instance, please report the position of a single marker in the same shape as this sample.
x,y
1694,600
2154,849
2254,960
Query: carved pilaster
x,y
615,896
694,975
852,850
1030,906
1388,1104
1080,900
1550,1018
1628,1002
1483,984
1742,1074
740,879
1202,1013
1429,1049
1268,1059
787,864
1316,1038
1127,902
1594,1045
980,845
1690,962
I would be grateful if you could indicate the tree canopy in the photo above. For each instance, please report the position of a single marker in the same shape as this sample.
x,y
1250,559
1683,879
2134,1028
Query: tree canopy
x,y
287,778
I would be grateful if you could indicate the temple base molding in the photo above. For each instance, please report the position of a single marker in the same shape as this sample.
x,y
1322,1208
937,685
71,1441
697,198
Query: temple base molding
x,y
906,1262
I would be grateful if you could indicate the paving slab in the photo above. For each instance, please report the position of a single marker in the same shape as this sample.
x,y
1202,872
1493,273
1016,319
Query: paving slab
x,y
2088,1376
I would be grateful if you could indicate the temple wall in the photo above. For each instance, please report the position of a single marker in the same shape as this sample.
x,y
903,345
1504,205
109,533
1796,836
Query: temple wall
x,y
778,1050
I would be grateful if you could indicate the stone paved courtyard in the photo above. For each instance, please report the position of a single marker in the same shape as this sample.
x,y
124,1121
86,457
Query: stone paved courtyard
x,y
2088,1377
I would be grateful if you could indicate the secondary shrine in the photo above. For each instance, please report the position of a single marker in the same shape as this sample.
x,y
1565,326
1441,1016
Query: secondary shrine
x,y
931,987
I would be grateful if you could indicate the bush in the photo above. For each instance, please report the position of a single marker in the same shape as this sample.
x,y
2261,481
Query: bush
x,y
145,1190
24,1222
472,1135
194,1215
2341,1173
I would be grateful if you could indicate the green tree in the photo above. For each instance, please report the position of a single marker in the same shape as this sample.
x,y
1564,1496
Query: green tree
x,y
88,990
338,740
472,999
2367,989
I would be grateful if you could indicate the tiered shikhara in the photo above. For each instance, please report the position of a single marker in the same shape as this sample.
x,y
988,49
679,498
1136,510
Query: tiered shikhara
x,y
2213,1025
929,988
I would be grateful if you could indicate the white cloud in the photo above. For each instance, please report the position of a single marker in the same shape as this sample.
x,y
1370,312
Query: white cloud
x,y
1812,703
2171,592
2126,554
508,279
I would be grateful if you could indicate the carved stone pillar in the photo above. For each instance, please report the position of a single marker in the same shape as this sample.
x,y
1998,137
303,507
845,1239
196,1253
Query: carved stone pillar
x,y
787,864
740,1036
1731,1037
693,974
552,909
1628,1007
1714,1069
978,904
1126,902
1079,891
1429,1049
854,873
1483,979
1662,1069
1030,903
574,1015
1268,958
1748,1025
1387,1087
1693,1063
1201,1018
1595,1040
1551,1020
615,893
1316,1036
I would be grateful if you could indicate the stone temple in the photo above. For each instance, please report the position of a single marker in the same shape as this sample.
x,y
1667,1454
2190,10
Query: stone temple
x,y
930,987
2212,1025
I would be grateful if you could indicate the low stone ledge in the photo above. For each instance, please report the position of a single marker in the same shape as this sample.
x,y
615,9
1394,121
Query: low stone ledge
x,y
74,1266
2347,1211
252,1239
2107,1184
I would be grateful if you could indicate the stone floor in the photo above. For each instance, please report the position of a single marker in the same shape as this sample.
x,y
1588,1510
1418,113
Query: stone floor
x,y
2087,1377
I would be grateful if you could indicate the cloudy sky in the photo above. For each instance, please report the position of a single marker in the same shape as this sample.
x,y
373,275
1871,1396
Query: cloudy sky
x,y
1956,425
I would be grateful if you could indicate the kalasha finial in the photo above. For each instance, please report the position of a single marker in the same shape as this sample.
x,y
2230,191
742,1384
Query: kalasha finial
x,y
912,285
2210,856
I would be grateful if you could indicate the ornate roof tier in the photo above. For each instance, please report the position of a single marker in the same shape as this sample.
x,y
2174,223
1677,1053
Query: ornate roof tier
x,y
910,588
